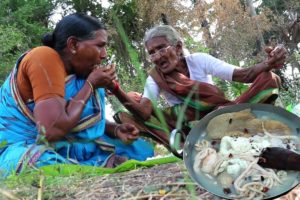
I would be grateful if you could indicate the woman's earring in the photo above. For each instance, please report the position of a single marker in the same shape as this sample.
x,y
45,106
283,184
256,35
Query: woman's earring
x,y
73,52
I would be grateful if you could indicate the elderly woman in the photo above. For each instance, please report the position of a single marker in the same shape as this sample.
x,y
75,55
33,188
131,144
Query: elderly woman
x,y
52,104
186,83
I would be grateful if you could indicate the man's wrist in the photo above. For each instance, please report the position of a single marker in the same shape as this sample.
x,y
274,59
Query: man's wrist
x,y
114,89
265,66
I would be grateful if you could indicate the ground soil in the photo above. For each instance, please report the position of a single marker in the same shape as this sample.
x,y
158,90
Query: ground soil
x,y
168,181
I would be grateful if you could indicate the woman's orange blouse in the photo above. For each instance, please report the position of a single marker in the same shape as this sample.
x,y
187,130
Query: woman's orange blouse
x,y
41,75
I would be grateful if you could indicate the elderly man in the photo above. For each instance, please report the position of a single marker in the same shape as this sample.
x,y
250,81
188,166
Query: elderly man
x,y
186,83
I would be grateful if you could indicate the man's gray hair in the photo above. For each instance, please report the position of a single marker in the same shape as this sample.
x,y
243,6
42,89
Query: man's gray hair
x,y
163,31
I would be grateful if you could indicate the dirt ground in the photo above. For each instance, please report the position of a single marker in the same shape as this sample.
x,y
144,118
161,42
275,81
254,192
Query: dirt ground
x,y
168,181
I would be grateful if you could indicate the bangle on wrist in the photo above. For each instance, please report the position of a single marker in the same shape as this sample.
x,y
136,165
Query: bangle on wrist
x,y
115,130
91,85
115,89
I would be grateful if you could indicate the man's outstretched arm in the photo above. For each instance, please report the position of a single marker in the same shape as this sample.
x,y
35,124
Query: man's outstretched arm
x,y
275,60
142,108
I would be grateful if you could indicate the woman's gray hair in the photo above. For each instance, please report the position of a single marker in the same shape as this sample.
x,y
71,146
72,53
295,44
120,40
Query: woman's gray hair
x,y
163,31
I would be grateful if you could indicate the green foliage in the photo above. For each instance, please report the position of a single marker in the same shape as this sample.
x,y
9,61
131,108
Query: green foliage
x,y
284,8
133,55
236,89
232,89
31,17
31,176
22,23
11,39
283,15
13,43
277,6
297,56
130,72
292,94
126,11
289,107
91,7
193,46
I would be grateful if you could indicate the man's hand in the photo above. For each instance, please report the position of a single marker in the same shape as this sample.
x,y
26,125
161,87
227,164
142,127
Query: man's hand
x,y
135,96
276,56
127,133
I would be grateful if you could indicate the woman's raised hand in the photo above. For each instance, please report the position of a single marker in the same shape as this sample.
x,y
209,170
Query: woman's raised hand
x,y
103,76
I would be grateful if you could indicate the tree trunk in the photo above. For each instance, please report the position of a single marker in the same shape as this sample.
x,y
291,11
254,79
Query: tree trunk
x,y
260,40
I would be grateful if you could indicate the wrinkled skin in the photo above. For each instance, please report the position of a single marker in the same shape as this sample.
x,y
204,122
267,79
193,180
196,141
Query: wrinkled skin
x,y
276,56
169,60
135,96
127,133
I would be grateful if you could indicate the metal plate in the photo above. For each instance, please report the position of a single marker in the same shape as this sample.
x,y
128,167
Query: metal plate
x,y
261,111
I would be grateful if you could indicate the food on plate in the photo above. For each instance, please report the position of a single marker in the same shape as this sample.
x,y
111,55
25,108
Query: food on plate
x,y
243,123
233,162
280,158
229,123
225,179
208,158
272,126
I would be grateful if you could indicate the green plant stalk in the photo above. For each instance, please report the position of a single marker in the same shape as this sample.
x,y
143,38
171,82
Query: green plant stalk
x,y
180,118
190,187
8,195
134,58
41,186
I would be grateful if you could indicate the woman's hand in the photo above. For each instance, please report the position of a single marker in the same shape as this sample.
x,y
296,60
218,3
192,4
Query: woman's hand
x,y
103,77
127,133
276,56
